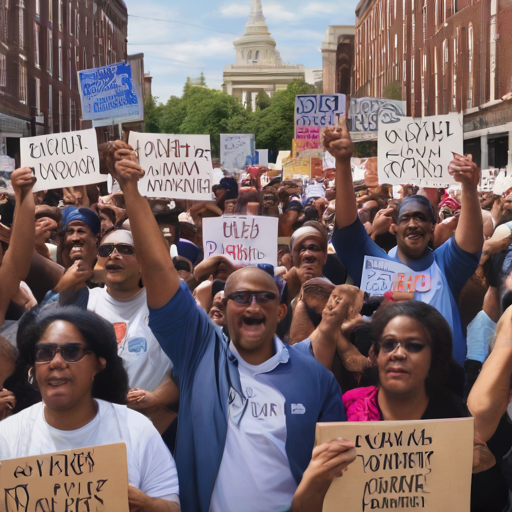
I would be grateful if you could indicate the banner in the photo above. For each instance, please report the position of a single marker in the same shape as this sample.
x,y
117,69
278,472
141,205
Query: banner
x,y
418,151
237,151
108,93
177,166
245,240
403,465
312,113
364,114
296,167
76,480
62,159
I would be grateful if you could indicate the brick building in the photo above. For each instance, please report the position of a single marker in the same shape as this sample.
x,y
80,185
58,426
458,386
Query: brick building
x,y
43,43
443,56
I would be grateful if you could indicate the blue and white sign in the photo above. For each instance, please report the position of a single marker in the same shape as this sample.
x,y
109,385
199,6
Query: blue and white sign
x,y
108,93
237,151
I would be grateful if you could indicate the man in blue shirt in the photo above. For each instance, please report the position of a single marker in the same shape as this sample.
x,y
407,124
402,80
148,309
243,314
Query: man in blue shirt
x,y
248,407
448,267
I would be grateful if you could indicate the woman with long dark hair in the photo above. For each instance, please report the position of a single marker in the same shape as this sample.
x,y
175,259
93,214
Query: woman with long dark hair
x,y
71,356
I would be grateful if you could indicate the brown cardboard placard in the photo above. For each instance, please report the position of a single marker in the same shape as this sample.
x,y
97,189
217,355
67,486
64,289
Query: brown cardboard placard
x,y
403,465
80,480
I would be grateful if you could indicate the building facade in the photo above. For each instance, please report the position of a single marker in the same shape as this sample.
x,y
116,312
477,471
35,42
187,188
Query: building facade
x,y
338,59
442,56
43,43
258,65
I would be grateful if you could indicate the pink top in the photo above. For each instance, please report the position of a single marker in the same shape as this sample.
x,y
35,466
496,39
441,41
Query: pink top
x,y
361,404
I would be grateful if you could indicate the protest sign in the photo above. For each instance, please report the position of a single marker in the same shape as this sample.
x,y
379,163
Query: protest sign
x,y
108,93
381,275
62,159
296,167
418,151
403,465
243,239
281,156
177,166
262,157
237,151
312,113
364,115
82,479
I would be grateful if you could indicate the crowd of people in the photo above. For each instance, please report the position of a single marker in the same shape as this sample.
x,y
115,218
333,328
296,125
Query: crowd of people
x,y
114,327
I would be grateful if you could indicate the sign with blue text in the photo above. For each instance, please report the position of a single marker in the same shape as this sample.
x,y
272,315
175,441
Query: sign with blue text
x,y
237,151
108,93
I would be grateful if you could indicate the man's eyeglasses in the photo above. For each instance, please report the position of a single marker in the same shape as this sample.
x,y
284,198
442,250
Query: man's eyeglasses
x,y
106,250
412,347
71,352
244,298
310,248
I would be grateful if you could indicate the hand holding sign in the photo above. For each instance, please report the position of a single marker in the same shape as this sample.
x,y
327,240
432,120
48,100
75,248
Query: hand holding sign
x,y
464,171
22,181
127,171
336,140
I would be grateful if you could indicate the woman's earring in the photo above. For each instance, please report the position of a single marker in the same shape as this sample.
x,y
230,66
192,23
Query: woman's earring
x,y
31,375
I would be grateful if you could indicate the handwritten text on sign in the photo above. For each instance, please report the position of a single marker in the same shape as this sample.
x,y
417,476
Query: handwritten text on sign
x,y
63,159
418,151
403,465
381,276
78,480
243,239
365,112
177,166
236,151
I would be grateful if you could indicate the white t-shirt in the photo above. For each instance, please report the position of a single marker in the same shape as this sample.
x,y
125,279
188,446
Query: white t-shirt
x,y
255,474
144,360
151,467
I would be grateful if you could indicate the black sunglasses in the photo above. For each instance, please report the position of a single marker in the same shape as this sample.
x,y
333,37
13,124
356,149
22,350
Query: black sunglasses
x,y
107,249
411,346
244,298
310,248
71,352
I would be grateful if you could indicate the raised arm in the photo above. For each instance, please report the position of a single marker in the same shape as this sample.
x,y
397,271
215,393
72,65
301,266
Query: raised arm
x,y
339,144
469,234
16,263
490,394
158,273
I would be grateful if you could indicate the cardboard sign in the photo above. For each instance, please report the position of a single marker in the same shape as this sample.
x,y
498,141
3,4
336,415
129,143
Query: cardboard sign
x,y
243,239
62,159
79,480
296,167
315,111
403,465
418,151
364,113
108,93
237,151
177,166
381,275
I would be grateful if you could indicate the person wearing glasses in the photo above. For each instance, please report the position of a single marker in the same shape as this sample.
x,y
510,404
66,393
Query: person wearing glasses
x,y
248,405
71,356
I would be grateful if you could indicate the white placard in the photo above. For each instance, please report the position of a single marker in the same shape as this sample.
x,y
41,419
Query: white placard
x,y
177,166
236,151
63,159
244,240
419,150
381,275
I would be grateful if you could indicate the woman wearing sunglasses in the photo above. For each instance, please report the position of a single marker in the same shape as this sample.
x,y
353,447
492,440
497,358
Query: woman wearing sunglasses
x,y
71,356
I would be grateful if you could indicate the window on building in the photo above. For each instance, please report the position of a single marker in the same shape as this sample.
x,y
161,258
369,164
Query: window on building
x,y
70,66
61,63
249,56
50,108
50,11
61,113
71,120
436,80
77,20
3,23
424,12
423,78
455,60
70,19
61,15
38,96
49,56
436,13
492,52
256,56
470,65
21,28
37,7
23,83
413,96
86,26
37,56
3,70
84,59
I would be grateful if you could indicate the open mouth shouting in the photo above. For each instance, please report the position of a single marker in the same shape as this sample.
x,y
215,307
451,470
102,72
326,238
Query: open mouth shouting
x,y
252,326
113,268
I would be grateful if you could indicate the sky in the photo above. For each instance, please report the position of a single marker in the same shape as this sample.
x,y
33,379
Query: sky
x,y
186,37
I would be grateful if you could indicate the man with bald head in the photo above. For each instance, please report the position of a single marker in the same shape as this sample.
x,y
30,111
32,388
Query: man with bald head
x,y
248,405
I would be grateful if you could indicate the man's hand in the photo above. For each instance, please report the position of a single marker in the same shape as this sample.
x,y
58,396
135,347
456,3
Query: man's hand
x,y
44,228
125,152
74,278
336,140
142,401
7,403
335,312
464,171
483,458
25,298
141,502
127,171
444,230
382,221
22,181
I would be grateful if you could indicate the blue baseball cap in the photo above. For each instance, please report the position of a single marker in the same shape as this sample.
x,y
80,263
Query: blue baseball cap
x,y
82,214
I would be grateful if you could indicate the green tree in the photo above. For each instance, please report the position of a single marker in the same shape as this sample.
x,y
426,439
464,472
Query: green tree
x,y
152,114
393,91
262,100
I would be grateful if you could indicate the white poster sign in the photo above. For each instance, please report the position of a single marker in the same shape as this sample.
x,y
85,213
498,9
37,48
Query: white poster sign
x,y
236,151
177,166
243,239
418,151
62,159
365,112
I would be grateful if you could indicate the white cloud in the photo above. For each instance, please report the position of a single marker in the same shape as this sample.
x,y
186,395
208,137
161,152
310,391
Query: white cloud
x,y
234,11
